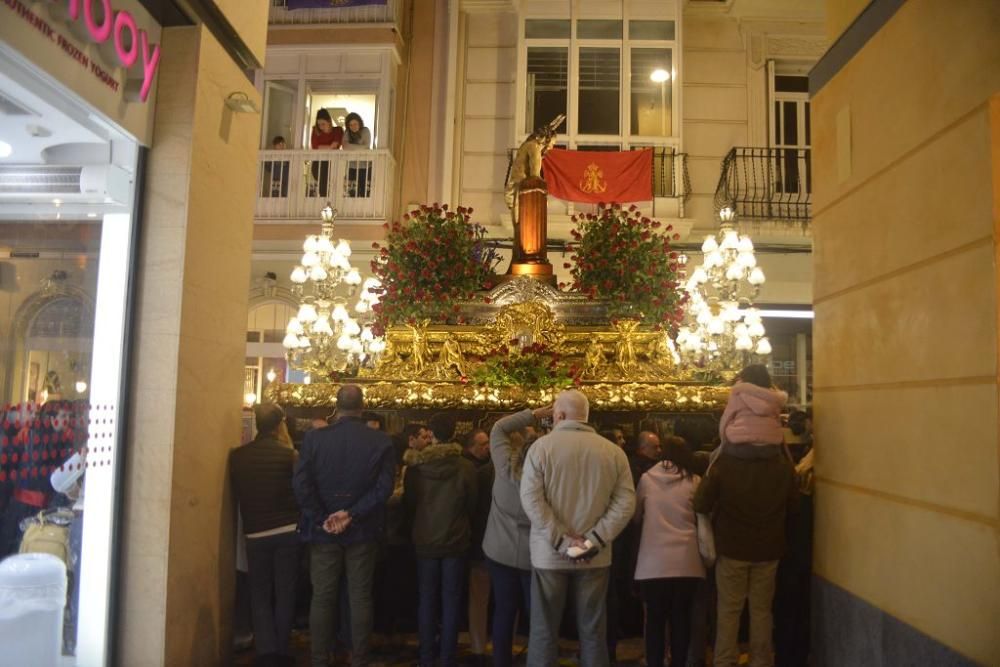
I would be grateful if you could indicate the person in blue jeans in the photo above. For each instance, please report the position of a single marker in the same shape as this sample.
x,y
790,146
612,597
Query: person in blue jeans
x,y
439,496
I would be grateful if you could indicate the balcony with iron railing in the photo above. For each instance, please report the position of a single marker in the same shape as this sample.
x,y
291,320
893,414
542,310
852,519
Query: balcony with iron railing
x,y
387,12
767,184
295,185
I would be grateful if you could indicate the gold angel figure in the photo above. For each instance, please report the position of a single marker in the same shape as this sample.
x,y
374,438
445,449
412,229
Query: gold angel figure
x,y
451,357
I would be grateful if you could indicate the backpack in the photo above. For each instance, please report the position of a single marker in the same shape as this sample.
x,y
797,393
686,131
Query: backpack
x,y
48,534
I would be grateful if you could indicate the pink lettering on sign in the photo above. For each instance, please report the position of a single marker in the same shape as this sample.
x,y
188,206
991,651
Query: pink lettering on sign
x,y
114,25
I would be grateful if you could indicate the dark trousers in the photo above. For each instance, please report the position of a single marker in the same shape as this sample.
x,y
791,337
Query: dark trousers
x,y
440,580
511,590
549,590
326,563
272,564
321,172
668,600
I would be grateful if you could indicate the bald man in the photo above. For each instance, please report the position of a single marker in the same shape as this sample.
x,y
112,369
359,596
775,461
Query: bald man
x,y
576,489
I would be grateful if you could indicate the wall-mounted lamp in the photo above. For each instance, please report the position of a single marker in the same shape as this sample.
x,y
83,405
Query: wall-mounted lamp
x,y
241,103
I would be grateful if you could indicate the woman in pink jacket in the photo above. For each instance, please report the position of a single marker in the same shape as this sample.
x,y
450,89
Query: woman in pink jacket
x,y
668,567
753,414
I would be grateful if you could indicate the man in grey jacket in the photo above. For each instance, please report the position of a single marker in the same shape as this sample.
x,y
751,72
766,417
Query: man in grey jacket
x,y
577,491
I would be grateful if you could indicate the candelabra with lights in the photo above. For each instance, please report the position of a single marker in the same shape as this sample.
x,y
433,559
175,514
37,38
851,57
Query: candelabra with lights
x,y
323,338
724,332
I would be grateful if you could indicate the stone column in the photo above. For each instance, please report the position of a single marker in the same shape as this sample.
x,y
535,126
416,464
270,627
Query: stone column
x,y
189,347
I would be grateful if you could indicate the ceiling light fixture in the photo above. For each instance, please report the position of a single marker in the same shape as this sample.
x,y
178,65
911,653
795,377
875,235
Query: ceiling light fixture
x,y
5,149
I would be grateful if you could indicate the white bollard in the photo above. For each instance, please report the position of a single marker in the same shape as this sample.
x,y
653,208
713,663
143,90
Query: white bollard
x,y
32,598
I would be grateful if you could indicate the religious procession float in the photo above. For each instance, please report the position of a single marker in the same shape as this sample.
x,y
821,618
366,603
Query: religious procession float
x,y
439,329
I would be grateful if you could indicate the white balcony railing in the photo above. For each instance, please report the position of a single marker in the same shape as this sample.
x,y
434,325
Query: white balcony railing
x,y
281,15
297,184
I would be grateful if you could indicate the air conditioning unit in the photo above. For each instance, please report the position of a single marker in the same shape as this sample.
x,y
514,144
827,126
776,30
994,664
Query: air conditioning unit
x,y
90,184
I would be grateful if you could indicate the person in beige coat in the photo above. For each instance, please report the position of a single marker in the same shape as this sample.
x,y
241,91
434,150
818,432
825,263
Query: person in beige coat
x,y
576,489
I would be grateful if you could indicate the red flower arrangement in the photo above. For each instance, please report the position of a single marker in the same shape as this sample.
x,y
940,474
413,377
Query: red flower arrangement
x,y
534,366
622,256
429,261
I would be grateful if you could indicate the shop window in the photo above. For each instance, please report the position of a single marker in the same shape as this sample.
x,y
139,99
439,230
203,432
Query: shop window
x,y
791,132
598,29
663,31
547,29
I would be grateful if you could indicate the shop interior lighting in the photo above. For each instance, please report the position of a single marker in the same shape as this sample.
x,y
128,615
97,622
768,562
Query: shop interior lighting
x,y
5,149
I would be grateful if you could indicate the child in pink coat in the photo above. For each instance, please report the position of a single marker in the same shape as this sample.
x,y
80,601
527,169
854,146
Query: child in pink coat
x,y
753,414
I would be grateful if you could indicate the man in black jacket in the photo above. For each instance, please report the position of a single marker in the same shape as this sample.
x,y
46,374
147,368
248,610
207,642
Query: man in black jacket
x,y
261,472
342,482
440,494
477,452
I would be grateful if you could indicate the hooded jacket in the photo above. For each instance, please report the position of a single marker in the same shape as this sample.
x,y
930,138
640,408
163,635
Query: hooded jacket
x,y
439,495
668,546
753,415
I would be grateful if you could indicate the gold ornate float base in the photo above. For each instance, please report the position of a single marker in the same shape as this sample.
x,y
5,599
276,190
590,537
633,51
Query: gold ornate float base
x,y
621,366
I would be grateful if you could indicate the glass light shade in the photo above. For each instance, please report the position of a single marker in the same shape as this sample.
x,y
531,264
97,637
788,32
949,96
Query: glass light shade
x,y
327,213
716,326
371,282
699,276
377,346
755,329
318,273
709,245
310,259
351,327
362,306
357,348
339,313
763,346
734,272
353,277
338,261
751,315
730,240
731,311
741,330
747,259
343,247
291,341
322,327
713,259
743,343
325,245
304,342
727,214
299,275
311,244
345,342
746,245
756,276
367,335
307,313
295,327
703,317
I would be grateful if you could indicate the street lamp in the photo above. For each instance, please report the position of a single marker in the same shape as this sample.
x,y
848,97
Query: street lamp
x,y
661,76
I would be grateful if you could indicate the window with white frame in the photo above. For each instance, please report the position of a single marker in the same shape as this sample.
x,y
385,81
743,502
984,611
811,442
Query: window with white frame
x,y
614,79
789,130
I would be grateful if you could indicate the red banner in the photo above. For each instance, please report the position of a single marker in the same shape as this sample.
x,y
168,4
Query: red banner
x,y
600,176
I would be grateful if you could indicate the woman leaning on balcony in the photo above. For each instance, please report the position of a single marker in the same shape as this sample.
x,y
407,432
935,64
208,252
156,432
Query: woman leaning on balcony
x,y
325,136
357,138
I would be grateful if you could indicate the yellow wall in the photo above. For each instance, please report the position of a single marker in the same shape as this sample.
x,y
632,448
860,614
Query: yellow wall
x,y
246,16
906,168
840,14
189,349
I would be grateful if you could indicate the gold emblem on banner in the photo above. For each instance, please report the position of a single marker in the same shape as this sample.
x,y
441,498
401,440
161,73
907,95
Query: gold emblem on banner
x,y
593,180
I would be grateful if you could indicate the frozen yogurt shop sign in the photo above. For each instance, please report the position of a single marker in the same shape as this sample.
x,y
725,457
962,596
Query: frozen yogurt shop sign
x,y
108,51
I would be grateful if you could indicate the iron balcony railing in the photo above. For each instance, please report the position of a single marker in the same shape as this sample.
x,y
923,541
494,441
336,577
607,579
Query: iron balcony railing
x,y
297,184
767,183
280,14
